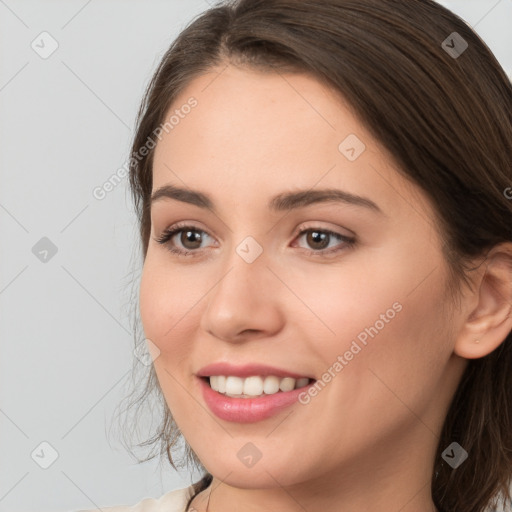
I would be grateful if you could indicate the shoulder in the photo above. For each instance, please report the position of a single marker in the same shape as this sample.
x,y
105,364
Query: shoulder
x,y
173,501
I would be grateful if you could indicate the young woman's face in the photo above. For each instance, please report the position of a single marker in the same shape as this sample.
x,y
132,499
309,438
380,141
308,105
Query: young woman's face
x,y
356,302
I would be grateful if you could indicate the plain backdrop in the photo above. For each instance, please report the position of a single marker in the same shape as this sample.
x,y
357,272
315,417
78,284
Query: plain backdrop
x,y
72,74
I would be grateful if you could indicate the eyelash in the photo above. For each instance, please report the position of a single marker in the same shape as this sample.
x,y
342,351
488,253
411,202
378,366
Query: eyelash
x,y
169,233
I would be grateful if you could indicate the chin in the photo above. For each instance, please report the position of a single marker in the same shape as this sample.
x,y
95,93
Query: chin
x,y
263,474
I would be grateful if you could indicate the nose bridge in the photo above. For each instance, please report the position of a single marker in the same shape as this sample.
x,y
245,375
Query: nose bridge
x,y
246,269
248,245
242,299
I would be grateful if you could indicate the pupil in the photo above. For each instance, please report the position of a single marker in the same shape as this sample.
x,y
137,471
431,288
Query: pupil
x,y
317,237
191,236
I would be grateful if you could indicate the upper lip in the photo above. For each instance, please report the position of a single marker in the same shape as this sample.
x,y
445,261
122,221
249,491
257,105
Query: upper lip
x,y
246,370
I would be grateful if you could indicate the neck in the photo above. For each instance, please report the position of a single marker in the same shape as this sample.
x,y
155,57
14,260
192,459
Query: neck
x,y
400,485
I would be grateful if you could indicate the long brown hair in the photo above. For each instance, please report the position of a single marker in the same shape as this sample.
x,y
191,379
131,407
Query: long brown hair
x,y
446,120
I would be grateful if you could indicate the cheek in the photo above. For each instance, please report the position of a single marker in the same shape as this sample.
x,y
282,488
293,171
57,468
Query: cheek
x,y
168,318
411,352
345,308
166,312
383,320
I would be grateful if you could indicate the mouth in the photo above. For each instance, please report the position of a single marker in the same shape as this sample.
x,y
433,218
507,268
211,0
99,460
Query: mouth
x,y
254,386
251,399
250,392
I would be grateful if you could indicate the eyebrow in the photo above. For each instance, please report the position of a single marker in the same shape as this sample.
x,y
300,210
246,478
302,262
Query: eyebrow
x,y
282,202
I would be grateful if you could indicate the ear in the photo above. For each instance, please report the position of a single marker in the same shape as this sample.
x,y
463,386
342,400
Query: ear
x,y
490,320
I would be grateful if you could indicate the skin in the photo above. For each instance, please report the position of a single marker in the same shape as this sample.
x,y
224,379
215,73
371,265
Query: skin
x,y
367,441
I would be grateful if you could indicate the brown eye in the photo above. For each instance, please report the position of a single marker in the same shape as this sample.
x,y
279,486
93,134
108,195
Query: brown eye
x,y
192,237
183,240
317,239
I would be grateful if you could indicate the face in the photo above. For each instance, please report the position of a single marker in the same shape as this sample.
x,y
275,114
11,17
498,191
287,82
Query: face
x,y
347,292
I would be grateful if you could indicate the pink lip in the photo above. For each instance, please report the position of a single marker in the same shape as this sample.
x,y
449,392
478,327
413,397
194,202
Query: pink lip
x,y
247,370
248,410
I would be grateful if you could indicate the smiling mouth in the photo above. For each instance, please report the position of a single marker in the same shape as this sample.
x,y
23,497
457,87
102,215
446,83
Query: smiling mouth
x,y
254,386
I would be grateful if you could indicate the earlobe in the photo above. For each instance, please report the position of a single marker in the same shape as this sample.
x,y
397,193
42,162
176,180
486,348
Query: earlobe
x,y
490,321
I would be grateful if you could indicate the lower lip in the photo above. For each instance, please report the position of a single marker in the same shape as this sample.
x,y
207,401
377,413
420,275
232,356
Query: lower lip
x,y
248,410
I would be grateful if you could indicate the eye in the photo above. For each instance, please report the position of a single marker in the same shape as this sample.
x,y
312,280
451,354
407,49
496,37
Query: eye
x,y
190,238
320,239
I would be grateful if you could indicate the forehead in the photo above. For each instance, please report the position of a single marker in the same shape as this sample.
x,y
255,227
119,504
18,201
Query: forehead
x,y
241,110
254,133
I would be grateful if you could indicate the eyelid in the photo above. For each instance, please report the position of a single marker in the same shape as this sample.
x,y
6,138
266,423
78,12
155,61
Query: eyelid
x,y
312,225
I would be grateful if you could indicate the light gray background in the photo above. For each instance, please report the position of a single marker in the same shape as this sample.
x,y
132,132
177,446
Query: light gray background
x,y
66,345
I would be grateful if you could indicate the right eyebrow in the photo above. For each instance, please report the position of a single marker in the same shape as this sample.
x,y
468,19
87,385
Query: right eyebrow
x,y
184,195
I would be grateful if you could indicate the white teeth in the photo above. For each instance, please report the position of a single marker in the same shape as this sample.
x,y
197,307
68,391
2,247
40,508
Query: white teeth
x,y
214,382
234,385
287,384
218,383
221,383
271,385
254,385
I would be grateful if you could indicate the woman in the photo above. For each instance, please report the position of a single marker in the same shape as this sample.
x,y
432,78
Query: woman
x,y
324,195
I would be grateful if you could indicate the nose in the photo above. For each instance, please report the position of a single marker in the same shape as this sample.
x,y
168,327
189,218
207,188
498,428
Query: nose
x,y
245,302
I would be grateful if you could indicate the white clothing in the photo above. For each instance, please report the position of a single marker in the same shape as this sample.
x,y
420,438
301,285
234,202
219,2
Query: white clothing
x,y
173,501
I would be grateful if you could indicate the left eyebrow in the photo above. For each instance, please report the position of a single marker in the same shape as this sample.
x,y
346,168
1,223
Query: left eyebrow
x,y
302,198
282,202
